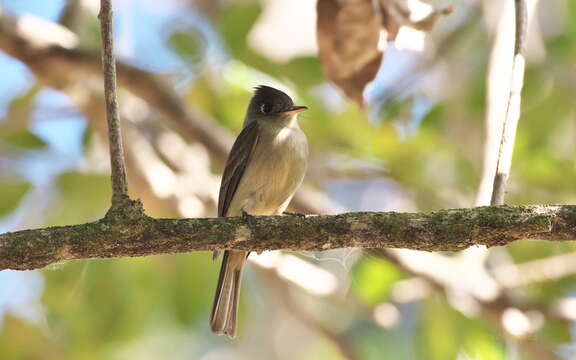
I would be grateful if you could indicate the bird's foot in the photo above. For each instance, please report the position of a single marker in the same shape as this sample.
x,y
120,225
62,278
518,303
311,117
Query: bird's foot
x,y
249,219
300,215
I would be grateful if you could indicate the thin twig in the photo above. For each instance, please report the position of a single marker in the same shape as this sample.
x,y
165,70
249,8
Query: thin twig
x,y
513,108
494,309
119,180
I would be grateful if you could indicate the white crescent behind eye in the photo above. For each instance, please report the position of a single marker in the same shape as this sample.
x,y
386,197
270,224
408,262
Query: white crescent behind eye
x,y
265,108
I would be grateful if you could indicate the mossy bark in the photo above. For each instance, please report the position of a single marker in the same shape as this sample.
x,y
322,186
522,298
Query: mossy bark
x,y
127,231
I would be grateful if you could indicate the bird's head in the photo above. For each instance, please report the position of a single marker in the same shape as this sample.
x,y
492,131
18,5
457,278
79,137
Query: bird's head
x,y
269,104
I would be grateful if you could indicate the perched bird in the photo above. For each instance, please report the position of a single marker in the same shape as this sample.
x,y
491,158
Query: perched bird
x,y
264,168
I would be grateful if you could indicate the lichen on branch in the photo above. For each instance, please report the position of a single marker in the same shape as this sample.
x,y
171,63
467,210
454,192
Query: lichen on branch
x,y
127,231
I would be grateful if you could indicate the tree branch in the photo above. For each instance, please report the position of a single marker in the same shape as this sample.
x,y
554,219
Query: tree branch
x,y
119,179
129,232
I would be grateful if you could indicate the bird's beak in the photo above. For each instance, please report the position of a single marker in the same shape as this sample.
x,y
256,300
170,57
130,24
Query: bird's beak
x,y
295,110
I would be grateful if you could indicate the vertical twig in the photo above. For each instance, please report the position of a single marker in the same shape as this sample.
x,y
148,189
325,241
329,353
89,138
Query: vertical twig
x,y
504,162
513,108
119,182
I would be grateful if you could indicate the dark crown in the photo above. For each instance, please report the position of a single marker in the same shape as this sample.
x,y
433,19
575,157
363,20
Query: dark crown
x,y
274,100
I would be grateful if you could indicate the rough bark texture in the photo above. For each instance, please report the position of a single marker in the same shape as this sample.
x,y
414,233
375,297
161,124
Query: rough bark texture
x,y
127,231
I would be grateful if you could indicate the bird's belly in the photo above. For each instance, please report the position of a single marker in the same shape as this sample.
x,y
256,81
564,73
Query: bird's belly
x,y
270,182
275,188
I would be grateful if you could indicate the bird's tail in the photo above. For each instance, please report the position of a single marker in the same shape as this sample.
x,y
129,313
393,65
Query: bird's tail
x,y
225,307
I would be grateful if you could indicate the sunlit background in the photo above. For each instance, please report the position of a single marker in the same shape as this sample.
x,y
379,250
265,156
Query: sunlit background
x,y
418,145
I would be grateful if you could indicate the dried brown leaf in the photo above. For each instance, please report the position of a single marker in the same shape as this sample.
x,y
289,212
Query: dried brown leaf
x,y
348,33
389,22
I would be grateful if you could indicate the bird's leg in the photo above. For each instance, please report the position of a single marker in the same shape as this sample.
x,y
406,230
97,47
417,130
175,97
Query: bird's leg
x,y
300,215
249,220
251,224
245,215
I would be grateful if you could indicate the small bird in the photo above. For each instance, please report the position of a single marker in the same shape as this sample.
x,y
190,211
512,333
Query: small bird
x,y
264,169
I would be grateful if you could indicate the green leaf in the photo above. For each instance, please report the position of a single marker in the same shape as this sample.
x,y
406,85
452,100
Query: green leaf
x,y
10,195
84,197
483,347
190,44
305,71
235,22
440,331
433,119
373,279
20,110
24,139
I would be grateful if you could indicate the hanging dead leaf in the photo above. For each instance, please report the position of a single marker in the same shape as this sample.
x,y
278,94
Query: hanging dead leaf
x,y
348,33
389,22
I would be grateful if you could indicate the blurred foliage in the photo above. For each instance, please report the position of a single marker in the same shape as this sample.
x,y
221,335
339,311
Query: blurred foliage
x,y
158,307
23,139
189,44
373,280
14,130
10,195
90,192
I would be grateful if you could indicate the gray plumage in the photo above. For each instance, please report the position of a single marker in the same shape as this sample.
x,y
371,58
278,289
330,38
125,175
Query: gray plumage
x,y
265,167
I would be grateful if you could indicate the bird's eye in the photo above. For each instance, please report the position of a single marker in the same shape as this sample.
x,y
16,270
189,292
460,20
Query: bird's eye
x,y
265,108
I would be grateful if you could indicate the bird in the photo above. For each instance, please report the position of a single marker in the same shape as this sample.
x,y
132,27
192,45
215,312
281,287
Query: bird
x,y
265,167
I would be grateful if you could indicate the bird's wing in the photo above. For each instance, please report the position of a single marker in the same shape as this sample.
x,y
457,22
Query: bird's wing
x,y
236,164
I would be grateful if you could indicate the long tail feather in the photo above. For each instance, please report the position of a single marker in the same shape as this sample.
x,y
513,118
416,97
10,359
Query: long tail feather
x,y
225,307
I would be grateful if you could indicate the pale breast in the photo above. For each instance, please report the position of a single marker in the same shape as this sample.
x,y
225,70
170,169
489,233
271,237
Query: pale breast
x,y
275,172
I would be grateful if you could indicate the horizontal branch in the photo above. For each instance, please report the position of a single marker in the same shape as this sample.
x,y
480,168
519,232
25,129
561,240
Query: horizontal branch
x,y
128,231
